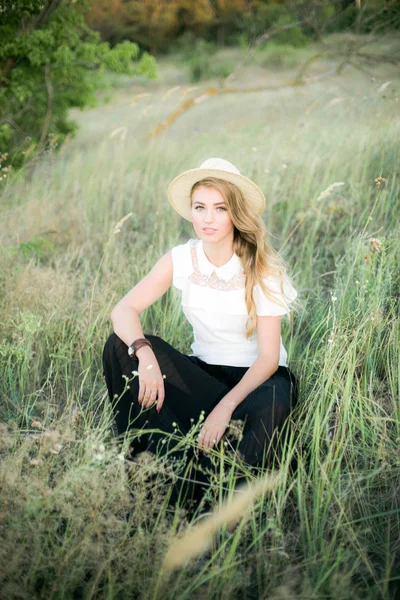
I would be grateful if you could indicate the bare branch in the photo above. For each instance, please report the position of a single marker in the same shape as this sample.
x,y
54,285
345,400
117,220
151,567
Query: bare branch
x,y
9,65
191,102
45,15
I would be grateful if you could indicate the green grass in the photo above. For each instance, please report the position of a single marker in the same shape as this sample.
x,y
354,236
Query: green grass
x,y
76,521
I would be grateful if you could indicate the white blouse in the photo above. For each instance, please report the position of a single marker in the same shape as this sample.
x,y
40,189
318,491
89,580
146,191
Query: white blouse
x,y
213,300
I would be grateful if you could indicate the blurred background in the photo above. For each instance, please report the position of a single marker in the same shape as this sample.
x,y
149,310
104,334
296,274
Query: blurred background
x,y
102,104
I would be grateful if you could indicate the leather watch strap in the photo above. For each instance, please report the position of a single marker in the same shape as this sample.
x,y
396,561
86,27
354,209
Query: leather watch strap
x,y
139,343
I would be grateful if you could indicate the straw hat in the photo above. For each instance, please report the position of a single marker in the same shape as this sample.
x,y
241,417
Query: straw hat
x,y
179,188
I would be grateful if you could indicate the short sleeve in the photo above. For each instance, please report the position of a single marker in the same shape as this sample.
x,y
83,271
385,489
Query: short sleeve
x,y
181,265
267,307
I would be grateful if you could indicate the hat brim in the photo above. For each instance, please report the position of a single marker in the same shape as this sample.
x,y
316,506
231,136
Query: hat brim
x,y
180,187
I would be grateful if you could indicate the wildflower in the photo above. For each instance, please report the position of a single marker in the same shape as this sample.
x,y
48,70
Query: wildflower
x,y
380,182
174,424
254,149
149,367
36,424
35,462
334,298
375,243
164,376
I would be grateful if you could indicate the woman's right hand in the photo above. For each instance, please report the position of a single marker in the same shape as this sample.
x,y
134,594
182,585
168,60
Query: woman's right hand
x,y
151,382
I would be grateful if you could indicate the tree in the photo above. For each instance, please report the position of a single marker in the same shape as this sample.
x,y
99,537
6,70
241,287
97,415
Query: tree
x,y
50,61
151,23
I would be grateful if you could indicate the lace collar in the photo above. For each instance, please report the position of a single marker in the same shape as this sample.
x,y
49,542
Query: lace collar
x,y
229,276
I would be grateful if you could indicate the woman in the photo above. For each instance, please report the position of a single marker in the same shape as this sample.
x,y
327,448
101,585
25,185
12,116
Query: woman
x,y
234,292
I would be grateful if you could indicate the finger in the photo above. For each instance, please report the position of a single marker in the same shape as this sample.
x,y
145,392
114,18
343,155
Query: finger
x,y
161,396
153,398
149,397
146,394
205,445
200,440
210,441
142,389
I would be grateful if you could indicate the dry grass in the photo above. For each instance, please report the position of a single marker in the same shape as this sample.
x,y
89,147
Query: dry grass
x,y
78,519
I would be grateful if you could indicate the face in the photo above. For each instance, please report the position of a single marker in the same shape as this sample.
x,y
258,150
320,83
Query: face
x,y
210,217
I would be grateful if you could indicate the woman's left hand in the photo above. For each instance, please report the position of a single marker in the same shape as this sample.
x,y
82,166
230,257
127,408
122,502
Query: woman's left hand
x,y
214,427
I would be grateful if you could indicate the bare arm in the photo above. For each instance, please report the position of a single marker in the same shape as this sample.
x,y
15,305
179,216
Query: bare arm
x,y
125,315
127,326
267,362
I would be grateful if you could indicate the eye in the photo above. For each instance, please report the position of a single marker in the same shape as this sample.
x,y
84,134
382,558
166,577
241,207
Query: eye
x,y
198,206
221,208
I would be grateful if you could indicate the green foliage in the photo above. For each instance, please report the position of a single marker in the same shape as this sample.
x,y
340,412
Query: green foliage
x,y
80,519
197,58
158,25
278,56
37,247
375,16
51,61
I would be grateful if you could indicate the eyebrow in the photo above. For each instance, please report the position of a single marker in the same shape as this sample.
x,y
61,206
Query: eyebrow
x,y
215,203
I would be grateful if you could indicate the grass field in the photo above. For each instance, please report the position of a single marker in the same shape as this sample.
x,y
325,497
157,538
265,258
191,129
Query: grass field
x,y
75,517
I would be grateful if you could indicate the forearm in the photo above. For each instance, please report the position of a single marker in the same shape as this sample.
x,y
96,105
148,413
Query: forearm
x,y
126,324
261,370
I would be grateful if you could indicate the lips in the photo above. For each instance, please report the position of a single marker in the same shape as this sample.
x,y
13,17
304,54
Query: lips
x,y
209,229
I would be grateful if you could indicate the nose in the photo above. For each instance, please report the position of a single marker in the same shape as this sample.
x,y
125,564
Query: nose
x,y
209,216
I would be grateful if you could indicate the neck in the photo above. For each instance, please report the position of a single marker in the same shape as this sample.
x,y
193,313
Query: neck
x,y
218,253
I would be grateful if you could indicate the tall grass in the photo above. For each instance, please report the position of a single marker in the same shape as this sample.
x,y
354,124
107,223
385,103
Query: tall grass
x,y
79,520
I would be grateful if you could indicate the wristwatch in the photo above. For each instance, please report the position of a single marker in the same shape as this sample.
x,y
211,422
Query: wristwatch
x,y
134,347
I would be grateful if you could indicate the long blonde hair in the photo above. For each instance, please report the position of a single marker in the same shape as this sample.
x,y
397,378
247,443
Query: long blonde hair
x,y
258,258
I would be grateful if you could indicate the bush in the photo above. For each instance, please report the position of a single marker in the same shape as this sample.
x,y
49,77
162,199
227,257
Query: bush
x,y
279,55
252,25
197,59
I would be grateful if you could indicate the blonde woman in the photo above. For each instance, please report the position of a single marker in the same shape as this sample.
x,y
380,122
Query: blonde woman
x,y
234,292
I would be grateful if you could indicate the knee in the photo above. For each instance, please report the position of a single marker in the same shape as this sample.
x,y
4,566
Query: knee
x,y
111,340
268,400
